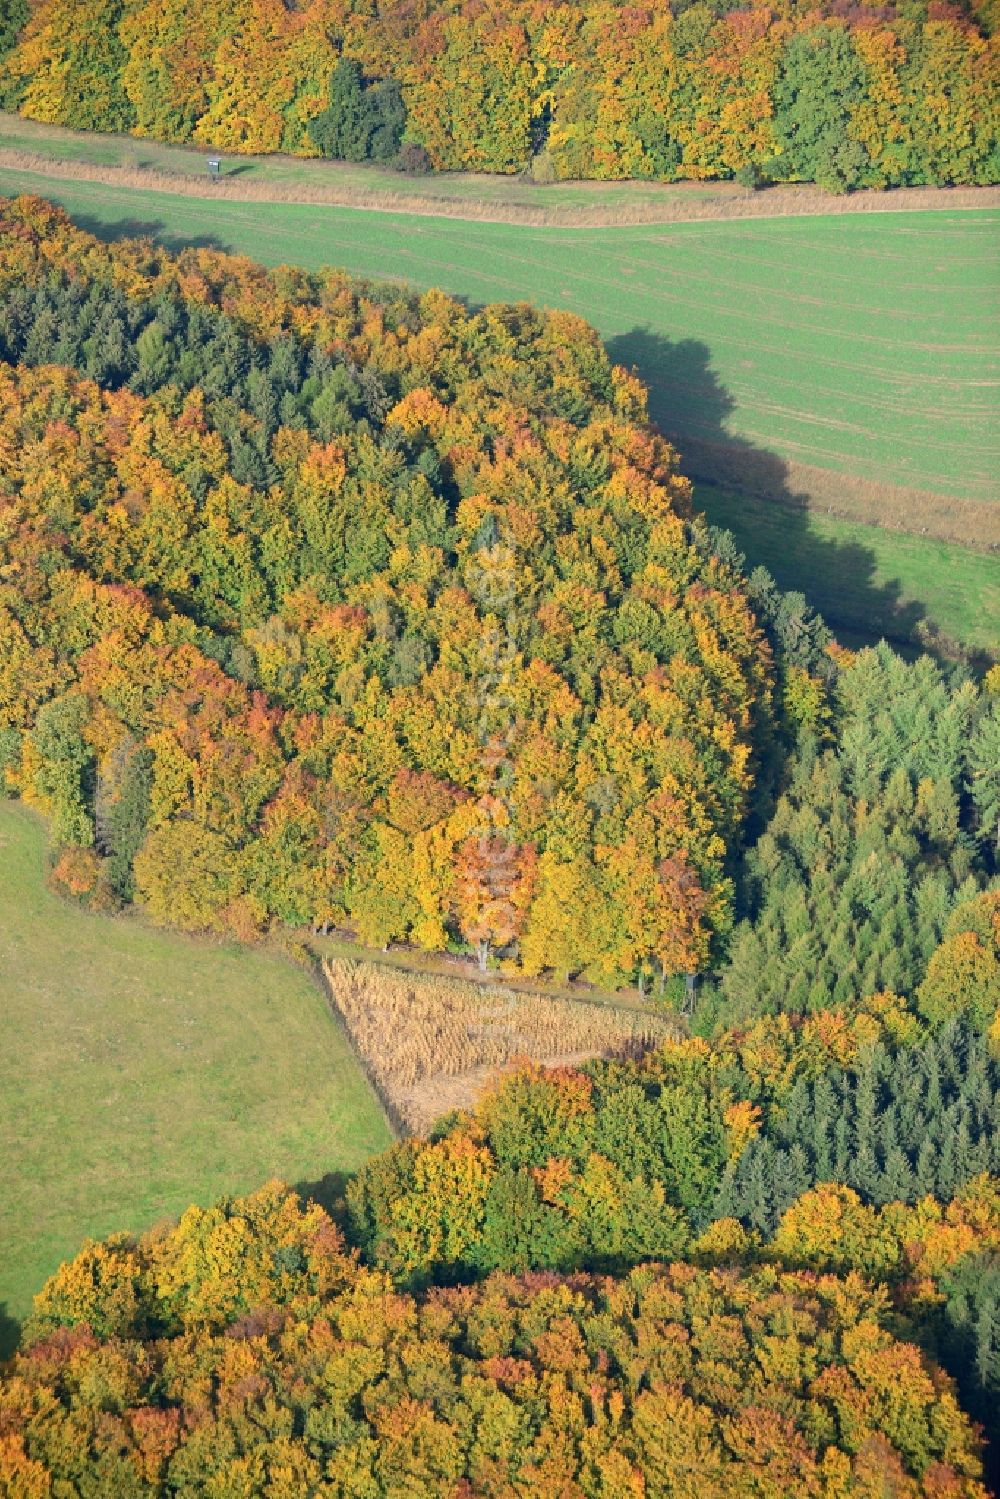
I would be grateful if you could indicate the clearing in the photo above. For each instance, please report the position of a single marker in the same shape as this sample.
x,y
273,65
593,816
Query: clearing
x,y
432,1040
142,1071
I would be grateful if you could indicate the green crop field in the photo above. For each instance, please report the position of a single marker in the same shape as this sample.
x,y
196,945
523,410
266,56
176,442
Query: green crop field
x,y
862,348
142,1071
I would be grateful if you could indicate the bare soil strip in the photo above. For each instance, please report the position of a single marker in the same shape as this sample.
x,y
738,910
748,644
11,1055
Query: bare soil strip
x,y
681,202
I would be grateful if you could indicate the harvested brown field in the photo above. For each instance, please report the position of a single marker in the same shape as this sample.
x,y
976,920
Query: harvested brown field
x,y
431,1043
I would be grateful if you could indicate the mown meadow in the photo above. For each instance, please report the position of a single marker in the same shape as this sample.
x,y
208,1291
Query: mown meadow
x,y
142,1070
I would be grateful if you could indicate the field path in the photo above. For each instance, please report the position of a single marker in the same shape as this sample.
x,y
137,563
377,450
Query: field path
x,y
151,166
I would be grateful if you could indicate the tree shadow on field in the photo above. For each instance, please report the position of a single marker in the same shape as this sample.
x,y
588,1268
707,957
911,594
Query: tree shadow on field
x,y
153,229
10,1331
328,1191
748,491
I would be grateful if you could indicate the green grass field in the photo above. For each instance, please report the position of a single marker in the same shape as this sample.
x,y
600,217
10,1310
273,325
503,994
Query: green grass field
x,y
864,346
865,581
142,1071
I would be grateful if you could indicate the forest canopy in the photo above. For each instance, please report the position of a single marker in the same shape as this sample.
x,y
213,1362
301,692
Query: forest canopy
x,y
603,1166
328,605
844,95
244,1351
324,604
601,1279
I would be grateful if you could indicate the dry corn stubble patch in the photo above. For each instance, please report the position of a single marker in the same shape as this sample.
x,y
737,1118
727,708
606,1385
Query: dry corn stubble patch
x,y
431,1043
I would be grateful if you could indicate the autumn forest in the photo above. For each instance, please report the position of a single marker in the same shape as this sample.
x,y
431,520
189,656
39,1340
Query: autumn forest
x,y
378,639
841,94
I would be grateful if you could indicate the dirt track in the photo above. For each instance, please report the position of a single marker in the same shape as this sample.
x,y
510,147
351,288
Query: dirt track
x,y
682,202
